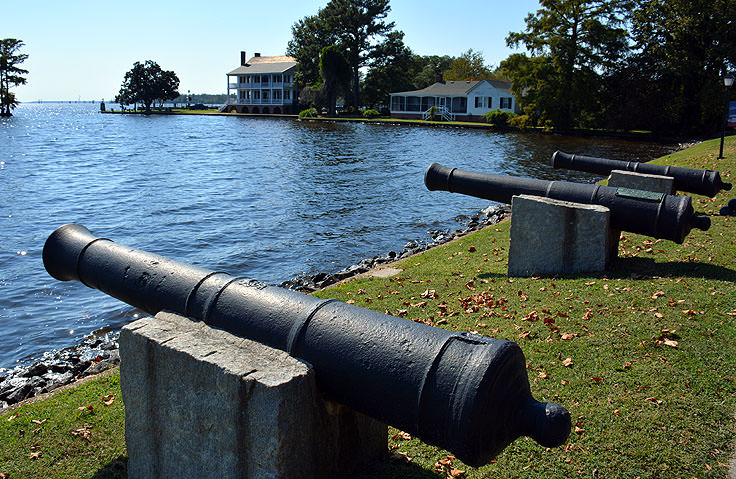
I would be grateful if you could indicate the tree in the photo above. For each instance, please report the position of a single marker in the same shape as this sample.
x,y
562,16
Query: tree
x,y
432,67
309,36
146,83
394,69
579,41
355,26
672,82
468,66
335,73
11,74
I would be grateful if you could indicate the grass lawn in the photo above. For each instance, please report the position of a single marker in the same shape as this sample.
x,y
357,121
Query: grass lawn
x,y
643,356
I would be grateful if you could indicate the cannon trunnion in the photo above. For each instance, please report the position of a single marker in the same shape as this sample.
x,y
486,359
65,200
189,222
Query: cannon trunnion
x,y
653,214
463,392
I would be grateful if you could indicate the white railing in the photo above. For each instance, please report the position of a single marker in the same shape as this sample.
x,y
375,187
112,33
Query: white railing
x,y
262,101
440,110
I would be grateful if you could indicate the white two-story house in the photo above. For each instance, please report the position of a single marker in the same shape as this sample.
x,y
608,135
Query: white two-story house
x,y
264,85
455,100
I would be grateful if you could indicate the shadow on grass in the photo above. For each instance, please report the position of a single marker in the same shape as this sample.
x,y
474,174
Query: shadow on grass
x,y
388,469
115,469
625,267
646,268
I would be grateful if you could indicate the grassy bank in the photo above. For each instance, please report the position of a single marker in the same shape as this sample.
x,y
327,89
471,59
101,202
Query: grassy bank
x,y
401,121
643,356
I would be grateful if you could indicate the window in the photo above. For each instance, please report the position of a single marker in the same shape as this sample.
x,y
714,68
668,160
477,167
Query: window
x,y
459,104
506,103
490,102
478,101
412,103
287,94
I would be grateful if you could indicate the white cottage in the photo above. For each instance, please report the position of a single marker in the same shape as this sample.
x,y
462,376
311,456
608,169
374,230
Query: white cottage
x,y
455,100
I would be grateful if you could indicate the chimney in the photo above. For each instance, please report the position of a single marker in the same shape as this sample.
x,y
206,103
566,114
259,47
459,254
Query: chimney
x,y
439,78
257,55
242,58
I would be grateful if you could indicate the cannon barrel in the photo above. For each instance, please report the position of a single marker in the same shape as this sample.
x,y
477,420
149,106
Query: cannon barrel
x,y
460,391
700,182
653,214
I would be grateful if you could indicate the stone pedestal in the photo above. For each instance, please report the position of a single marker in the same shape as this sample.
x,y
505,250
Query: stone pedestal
x,y
200,402
641,181
551,237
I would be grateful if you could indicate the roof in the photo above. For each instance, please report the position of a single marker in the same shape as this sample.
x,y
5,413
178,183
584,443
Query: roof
x,y
275,64
454,88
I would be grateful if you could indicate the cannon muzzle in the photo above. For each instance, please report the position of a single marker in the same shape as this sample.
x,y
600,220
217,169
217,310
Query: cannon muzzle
x,y
700,182
461,391
653,214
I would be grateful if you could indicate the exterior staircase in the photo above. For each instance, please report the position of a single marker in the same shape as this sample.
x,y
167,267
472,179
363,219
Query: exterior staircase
x,y
442,111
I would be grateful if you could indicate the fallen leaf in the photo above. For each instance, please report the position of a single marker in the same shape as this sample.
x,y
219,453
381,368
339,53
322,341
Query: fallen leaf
x,y
567,362
35,455
88,407
12,416
568,336
543,375
472,249
85,432
456,473
579,430
108,400
596,379
36,421
429,293
671,343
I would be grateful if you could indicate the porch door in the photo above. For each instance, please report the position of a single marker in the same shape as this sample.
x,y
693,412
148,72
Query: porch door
x,y
440,102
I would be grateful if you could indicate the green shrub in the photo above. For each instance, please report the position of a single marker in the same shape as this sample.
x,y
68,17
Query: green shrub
x,y
371,114
432,112
498,117
520,121
308,113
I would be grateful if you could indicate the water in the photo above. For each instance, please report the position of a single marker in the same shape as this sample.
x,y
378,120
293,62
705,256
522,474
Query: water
x,y
264,198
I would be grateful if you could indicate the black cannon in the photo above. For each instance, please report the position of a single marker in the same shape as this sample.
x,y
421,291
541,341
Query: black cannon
x,y
653,214
700,182
463,392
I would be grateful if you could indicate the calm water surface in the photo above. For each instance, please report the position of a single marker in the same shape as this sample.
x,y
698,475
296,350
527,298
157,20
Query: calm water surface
x,y
264,198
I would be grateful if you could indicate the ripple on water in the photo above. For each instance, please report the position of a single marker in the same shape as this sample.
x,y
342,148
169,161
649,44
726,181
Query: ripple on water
x,y
264,198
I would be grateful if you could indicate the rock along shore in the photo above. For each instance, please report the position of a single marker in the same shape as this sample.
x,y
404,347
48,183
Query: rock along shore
x,y
100,352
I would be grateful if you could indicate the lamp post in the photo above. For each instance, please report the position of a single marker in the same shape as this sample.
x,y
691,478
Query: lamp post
x,y
727,82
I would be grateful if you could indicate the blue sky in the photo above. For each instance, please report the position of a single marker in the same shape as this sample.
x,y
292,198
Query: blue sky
x,y
81,49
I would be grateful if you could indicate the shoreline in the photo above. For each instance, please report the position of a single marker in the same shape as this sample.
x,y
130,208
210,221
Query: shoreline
x,y
98,353
585,133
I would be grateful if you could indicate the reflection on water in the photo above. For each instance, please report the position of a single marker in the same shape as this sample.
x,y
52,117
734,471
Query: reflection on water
x,y
264,198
